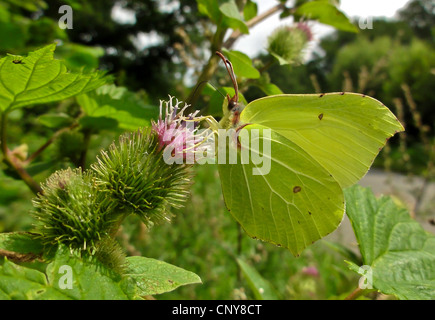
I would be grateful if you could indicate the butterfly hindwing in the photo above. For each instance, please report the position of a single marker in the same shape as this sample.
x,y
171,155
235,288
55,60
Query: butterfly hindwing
x,y
293,204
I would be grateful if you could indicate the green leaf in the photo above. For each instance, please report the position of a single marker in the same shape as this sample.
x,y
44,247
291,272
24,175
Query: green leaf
x,y
242,64
234,18
261,288
209,8
264,84
90,280
154,277
20,242
269,89
224,13
319,144
30,5
250,10
281,60
20,283
38,78
115,105
400,253
326,13
77,56
55,120
343,250
37,167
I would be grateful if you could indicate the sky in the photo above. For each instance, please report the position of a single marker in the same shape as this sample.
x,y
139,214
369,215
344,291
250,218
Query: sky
x,y
256,41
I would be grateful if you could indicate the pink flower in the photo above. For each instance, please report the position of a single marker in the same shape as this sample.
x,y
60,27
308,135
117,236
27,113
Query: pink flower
x,y
306,29
177,133
310,271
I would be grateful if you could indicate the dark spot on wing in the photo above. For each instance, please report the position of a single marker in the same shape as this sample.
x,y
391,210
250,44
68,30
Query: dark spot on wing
x,y
297,189
320,116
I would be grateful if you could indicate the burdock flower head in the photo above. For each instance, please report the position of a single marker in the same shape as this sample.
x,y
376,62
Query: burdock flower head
x,y
84,209
287,43
178,134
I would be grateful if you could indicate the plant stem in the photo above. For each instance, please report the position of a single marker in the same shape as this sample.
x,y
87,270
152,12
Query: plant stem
x,y
13,162
355,294
18,257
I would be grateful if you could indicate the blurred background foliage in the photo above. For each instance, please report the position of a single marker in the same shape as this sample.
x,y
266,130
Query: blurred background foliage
x,y
154,48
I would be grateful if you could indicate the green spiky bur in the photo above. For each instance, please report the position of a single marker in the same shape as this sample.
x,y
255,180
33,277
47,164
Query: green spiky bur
x,y
286,44
83,210
72,211
134,174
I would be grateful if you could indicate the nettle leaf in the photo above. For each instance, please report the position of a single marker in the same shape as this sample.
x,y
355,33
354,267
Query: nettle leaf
x,y
154,277
20,283
319,144
400,253
38,78
55,120
242,64
110,106
90,280
326,13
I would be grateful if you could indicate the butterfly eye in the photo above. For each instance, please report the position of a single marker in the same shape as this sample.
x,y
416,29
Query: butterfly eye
x,y
232,105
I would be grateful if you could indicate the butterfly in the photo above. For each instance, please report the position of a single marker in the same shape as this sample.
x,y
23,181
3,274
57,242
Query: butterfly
x,y
318,144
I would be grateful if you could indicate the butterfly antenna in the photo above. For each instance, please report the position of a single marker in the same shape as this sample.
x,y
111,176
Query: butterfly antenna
x,y
230,70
